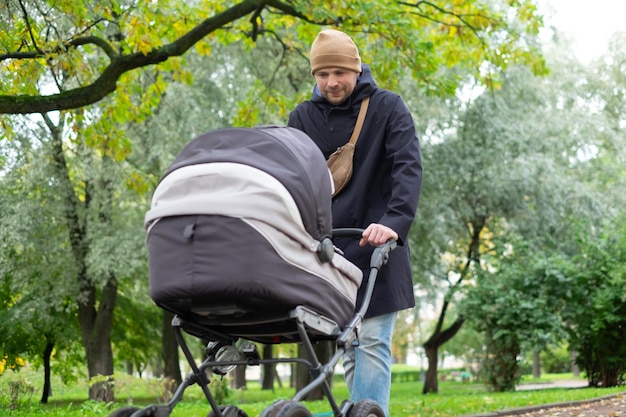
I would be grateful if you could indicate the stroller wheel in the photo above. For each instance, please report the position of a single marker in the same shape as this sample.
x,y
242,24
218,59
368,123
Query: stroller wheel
x,y
229,411
366,408
124,412
286,408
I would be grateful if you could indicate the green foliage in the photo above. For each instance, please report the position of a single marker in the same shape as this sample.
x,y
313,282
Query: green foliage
x,y
596,310
501,370
511,175
406,375
403,336
18,393
136,329
97,49
220,388
467,345
556,359
72,224
36,306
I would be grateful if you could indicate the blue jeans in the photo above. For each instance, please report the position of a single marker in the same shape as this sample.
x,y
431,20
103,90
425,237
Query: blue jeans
x,y
368,366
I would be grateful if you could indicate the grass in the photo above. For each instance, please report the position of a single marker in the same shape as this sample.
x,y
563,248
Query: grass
x,y
454,398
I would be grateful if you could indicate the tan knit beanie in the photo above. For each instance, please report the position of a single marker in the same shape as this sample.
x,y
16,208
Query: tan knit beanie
x,y
333,48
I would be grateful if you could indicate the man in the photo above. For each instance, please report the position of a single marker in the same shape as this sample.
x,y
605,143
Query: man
x,y
381,197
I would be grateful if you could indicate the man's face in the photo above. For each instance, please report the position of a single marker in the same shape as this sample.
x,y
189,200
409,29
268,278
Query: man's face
x,y
336,84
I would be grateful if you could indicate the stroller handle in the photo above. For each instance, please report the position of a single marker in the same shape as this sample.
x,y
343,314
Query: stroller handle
x,y
381,253
354,232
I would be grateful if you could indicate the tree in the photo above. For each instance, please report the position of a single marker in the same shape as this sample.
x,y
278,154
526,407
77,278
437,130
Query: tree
x,y
82,237
595,316
507,163
94,316
37,315
481,177
594,313
269,371
94,49
169,353
516,304
547,152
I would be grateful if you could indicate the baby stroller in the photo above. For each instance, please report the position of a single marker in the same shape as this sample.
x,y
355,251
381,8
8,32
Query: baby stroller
x,y
240,249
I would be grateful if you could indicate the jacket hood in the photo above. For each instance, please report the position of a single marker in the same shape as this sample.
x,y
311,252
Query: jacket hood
x,y
365,87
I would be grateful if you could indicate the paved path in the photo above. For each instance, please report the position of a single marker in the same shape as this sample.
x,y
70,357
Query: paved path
x,y
608,406
553,384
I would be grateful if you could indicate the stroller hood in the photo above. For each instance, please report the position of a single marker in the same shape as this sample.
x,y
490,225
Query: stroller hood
x,y
286,154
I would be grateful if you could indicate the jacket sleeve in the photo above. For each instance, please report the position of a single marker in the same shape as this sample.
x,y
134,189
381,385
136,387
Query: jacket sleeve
x,y
402,148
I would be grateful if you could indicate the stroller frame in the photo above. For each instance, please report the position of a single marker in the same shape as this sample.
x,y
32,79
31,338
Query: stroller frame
x,y
302,325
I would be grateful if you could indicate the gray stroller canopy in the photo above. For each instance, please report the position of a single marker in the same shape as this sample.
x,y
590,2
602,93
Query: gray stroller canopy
x,y
286,154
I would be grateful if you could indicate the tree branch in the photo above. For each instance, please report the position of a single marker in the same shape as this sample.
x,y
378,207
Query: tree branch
x,y
104,45
461,18
30,29
106,83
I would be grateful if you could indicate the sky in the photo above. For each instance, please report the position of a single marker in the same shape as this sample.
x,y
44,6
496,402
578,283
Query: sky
x,y
588,23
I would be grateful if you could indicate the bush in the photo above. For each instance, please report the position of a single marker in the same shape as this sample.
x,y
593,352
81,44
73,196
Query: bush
x,y
556,360
16,393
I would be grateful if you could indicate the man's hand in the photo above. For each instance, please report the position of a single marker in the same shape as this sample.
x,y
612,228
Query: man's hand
x,y
377,234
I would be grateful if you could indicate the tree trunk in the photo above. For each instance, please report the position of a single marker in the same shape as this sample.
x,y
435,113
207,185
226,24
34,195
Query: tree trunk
x,y
96,333
239,377
267,382
536,364
324,350
575,367
47,385
431,383
431,347
169,353
610,377
277,378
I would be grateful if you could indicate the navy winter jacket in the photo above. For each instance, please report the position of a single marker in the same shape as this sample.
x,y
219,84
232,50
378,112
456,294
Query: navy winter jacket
x,y
385,184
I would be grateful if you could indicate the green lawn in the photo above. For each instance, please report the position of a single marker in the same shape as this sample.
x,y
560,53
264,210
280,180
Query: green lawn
x,y
20,393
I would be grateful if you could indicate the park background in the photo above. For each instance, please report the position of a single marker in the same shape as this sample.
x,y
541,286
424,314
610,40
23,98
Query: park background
x,y
519,241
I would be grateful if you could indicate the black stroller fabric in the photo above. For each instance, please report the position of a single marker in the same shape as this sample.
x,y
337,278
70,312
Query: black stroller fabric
x,y
235,225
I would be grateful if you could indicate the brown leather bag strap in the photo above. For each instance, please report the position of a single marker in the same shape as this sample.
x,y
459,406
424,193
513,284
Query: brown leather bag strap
x,y
359,121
